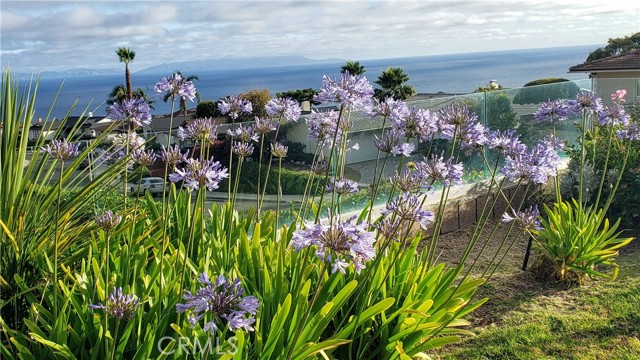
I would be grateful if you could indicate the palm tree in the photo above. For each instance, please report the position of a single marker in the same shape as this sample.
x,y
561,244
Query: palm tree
x,y
126,56
392,80
183,101
119,93
353,67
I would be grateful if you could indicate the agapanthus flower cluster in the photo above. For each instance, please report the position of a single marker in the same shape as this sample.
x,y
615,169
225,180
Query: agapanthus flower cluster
x,y
409,181
108,220
202,129
176,85
436,168
454,115
631,132
418,123
172,155
536,165
61,149
342,186
507,142
352,91
322,126
408,207
142,157
197,174
613,115
243,133
279,150
131,140
528,219
119,305
285,109
339,242
392,229
221,303
585,101
552,110
265,125
387,108
234,106
136,111
242,149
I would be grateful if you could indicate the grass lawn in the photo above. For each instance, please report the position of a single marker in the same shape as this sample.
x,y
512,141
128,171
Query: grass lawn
x,y
527,318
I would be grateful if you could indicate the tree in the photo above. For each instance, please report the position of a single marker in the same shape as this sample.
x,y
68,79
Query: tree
x,y
300,95
119,93
616,46
259,99
207,108
126,56
392,80
353,67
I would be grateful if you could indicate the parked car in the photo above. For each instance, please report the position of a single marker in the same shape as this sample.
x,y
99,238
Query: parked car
x,y
154,185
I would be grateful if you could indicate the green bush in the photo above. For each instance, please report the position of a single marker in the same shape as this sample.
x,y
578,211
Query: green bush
x,y
293,182
541,90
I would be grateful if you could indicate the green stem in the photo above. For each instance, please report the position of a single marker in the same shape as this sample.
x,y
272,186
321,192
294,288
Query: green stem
x,y
606,164
115,339
259,176
278,197
56,242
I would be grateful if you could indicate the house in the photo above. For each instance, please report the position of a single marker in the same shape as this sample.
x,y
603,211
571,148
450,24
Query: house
x,y
613,73
75,126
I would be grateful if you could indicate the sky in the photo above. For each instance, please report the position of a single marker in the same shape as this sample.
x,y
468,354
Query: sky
x,y
59,35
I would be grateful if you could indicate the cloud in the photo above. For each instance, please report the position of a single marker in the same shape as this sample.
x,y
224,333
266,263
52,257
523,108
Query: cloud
x,y
64,34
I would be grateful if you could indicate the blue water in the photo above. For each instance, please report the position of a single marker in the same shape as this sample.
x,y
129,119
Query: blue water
x,y
456,73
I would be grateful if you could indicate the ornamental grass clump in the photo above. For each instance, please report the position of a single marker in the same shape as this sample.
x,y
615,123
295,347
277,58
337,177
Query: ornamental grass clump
x,y
576,235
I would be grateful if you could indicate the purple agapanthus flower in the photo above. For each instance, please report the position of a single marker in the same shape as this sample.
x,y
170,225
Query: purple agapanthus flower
x,y
613,115
387,108
322,126
220,302
142,157
552,110
408,207
108,220
285,109
404,149
631,132
131,140
418,123
119,305
279,150
136,111
234,106
201,129
585,101
409,181
528,219
352,91
454,115
507,142
342,186
389,141
61,149
536,165
243,133
435,168
242,149
265,125
392,229
338,242
172,155
196,174
176,85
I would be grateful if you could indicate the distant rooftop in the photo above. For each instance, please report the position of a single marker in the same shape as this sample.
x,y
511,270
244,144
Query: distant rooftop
x,y
626,61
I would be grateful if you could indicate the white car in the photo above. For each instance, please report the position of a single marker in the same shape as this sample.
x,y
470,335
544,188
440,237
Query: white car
x,y
154,185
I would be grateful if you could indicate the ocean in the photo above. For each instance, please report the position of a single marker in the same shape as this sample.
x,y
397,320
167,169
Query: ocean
x,y
455,73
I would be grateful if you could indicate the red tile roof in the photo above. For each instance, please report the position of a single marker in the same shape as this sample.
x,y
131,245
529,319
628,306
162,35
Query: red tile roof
x,y
625,61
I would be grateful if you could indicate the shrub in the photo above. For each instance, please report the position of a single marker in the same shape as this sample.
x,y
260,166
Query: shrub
x,y
207,108
541,90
